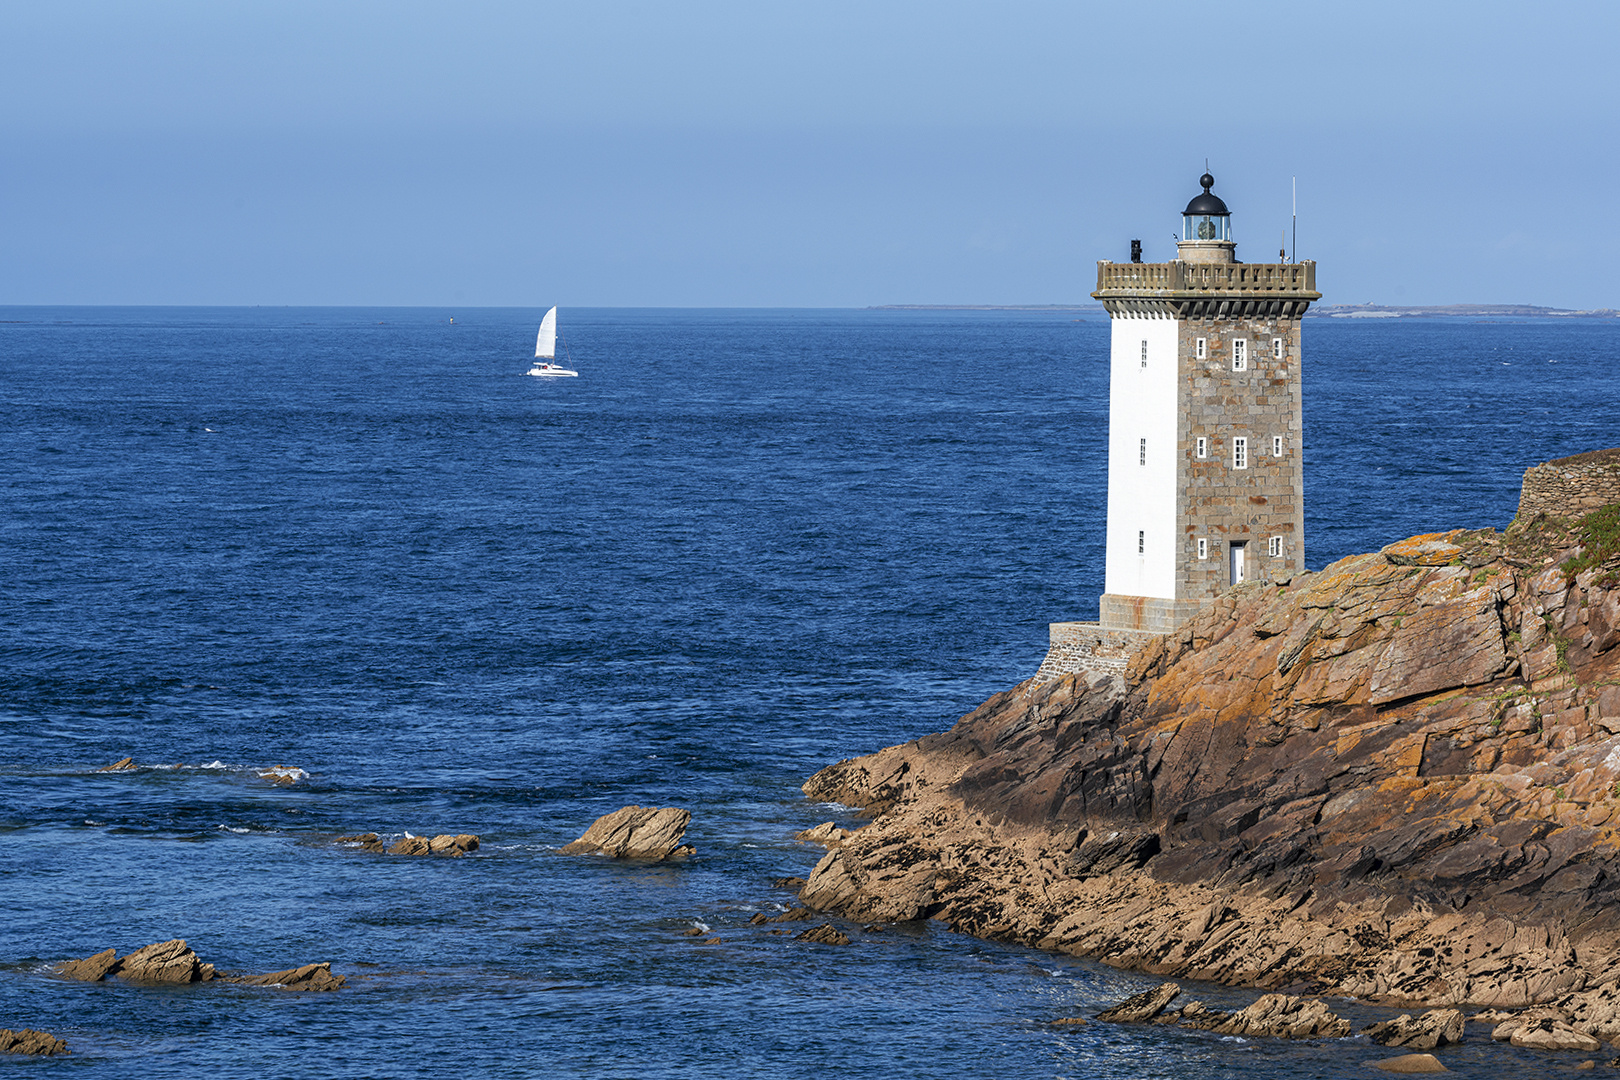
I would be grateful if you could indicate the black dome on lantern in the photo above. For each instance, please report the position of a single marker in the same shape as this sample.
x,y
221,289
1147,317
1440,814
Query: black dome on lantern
x,y
1208,203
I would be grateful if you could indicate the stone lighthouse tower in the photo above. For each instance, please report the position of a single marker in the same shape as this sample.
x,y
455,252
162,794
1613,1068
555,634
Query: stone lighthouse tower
x,y
1205,473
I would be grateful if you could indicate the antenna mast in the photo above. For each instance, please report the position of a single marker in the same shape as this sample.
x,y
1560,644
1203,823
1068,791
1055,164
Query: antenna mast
x,y
1296,220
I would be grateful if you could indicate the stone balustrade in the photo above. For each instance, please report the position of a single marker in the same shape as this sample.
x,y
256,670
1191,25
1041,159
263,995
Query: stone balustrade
x,y
1135,279
1183,290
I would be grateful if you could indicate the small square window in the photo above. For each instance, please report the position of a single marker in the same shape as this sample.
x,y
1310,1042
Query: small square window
x,y
1141,453
1240,453
1141,542
1203,547
1201,448
1276,348
1144,354
1240,355
1276,446
1201,349
1276,547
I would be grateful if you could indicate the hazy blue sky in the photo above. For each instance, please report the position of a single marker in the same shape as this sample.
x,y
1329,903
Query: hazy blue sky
x,y
840,154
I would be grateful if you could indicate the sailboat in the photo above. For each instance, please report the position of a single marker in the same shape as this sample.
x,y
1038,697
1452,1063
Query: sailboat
x,y
545,349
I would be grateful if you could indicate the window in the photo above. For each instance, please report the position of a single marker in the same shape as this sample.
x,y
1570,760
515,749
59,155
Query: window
x,y
1240,355
1276,547
1141,542
1201,349
1202,447
1144,354
1203,547
1276,348
1276,446
1141,453
1240,453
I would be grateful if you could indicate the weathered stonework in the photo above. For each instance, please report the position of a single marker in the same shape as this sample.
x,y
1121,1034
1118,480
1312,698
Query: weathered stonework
x,y
1217,501
1090,648
1572,486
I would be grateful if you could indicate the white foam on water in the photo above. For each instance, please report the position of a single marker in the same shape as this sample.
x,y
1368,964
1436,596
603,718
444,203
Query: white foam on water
x,y
703,926
291,771
232,829
215,764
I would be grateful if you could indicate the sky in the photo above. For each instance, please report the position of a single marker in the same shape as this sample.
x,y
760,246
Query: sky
x,y
716,154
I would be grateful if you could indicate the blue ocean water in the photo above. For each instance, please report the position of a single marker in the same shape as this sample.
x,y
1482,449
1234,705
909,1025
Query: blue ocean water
x,y
741,546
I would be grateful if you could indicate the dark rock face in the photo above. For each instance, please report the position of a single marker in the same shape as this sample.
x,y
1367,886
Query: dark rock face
x,y
1396,779
635,832
29,1041
1437,1027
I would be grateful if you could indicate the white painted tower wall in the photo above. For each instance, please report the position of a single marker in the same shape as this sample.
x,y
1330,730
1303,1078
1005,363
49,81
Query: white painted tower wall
x,y
1142,497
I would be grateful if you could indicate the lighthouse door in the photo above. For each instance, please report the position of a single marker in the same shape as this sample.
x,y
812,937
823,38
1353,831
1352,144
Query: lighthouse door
x,y
1237,550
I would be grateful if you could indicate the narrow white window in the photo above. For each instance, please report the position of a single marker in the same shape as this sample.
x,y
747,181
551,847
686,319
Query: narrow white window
x,y
1201,349
1141,542
1276,547
1203,547
1202,447
1144,355
1276,446
1240,453
1240,354
1141,453
1276,348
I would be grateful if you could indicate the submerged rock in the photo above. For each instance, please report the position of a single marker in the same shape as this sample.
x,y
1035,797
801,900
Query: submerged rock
x,y
635,832
443,844
314,977
29,1041
825,934
1411,1063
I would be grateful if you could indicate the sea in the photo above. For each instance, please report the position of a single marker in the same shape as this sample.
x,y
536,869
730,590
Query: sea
x,y
361,547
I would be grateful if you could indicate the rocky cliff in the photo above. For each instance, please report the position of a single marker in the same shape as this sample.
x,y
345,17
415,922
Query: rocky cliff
x,y
1397,778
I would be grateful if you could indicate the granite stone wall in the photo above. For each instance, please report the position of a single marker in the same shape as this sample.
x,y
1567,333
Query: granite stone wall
x,y
1572,486
1218,502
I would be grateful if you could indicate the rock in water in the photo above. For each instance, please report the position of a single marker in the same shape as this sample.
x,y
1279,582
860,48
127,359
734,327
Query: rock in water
x,y
1437,1027
316,977
826,834
825,934
1141,1007
456,845
1411,1063
29,1041
1286,1017
121,765
635,832
91,968
165,962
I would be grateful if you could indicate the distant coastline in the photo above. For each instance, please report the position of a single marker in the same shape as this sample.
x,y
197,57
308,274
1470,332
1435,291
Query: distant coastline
x,y
1322,311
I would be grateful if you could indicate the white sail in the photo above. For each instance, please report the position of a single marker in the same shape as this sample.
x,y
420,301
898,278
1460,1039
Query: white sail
x,y
545,346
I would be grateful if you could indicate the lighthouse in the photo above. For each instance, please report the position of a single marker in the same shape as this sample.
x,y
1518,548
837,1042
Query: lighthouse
x,y
1205,463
